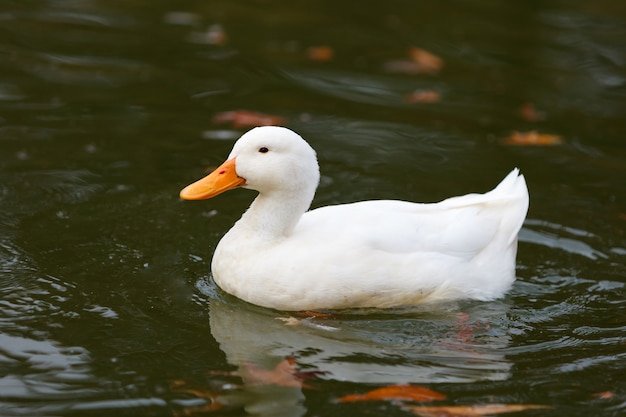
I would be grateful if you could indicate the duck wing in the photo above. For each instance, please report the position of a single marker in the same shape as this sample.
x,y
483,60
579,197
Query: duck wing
x,y
459,226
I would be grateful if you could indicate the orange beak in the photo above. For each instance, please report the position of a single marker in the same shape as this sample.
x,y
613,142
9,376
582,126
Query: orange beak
x,y
224,178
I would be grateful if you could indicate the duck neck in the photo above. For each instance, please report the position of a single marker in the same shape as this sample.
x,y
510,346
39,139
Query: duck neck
x,y
274,215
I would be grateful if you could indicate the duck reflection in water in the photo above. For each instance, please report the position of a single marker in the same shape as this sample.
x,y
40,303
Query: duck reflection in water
x,y
445,344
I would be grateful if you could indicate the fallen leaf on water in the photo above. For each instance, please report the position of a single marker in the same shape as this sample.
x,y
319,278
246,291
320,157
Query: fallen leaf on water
x,y
428,62
529,113
420,61
532,138
423,96
472,410
605,395
396,392
320,53
246,118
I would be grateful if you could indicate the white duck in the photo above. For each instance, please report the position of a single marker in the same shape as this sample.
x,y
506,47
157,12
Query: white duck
x,y
378,254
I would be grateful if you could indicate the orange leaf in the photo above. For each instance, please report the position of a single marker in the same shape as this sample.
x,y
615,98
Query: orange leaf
x,y
423,96
532,138
396,392
320,53
529,113
472,410
420,61
247,118
605,395
428,62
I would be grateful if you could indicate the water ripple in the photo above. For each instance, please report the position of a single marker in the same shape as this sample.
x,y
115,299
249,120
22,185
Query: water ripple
x,y
585,363
401,350
361,88
551,235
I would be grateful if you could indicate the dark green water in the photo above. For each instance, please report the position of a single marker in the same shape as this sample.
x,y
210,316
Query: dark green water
x,y
106,107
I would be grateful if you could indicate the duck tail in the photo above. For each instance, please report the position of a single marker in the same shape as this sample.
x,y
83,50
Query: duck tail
x,y
513,183
513,188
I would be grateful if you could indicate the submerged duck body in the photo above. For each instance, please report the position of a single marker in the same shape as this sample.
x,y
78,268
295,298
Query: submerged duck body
x,y
369,254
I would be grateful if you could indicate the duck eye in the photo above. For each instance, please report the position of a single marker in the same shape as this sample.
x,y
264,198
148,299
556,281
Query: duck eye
x,y
263,149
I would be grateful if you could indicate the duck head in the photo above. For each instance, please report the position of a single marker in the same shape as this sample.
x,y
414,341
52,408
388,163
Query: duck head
x,y
268,159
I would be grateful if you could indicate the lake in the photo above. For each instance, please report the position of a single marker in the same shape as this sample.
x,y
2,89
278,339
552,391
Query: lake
x,y
109,108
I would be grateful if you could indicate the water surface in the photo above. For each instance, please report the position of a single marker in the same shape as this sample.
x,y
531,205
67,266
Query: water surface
x,y
107,110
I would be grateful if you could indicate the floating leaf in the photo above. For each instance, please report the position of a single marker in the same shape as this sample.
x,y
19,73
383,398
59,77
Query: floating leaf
x,y
423,96
420,61
320,53
472,410
532,138
397,393
605,395
529,113
246,118
428,62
